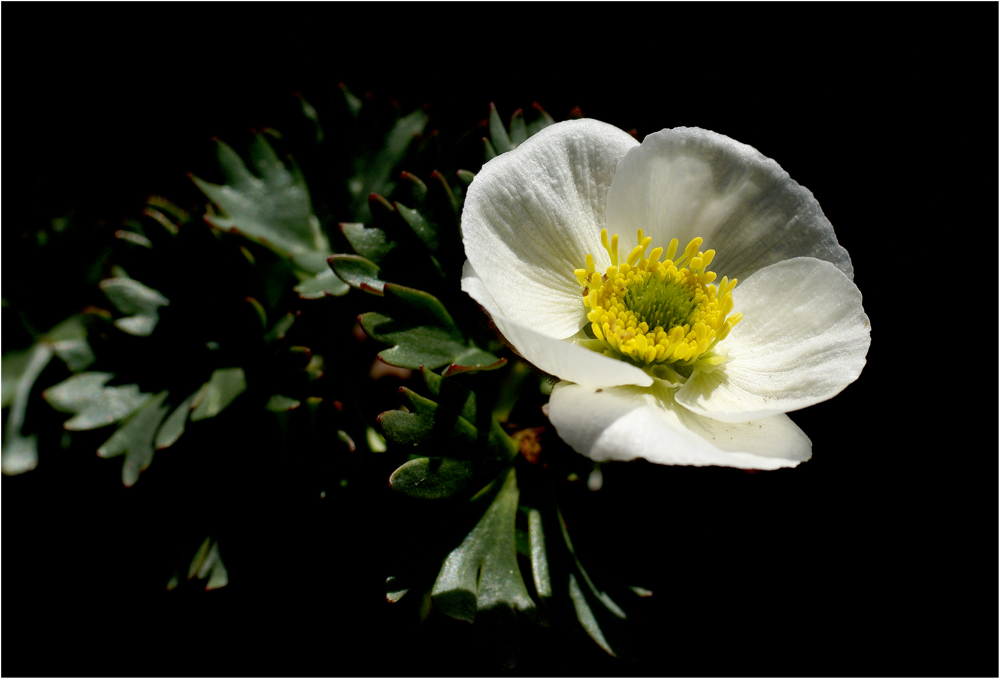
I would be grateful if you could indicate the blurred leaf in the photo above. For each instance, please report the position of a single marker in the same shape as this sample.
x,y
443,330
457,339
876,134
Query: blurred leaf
x,y
541,121
272,208
376,443
139,302
280,404
482,573
425,230
357,272
370,243
394,590
518,128
498,134
69,341
94,404
280,328
173,426
310,113
466,176
374,173
20,370
422,333
207,563
220,390
489,153
321,285
560,573
135,439
417,188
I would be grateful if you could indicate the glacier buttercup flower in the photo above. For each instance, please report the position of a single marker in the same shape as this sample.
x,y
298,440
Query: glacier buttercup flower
x,y
687,292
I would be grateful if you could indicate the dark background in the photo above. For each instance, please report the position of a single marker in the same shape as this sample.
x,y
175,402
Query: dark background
x,y
877,557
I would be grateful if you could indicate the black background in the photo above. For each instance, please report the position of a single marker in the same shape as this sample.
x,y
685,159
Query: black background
x,y
877,557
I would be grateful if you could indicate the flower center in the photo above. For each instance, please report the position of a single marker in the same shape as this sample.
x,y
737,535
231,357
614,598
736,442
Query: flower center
x,y
653,312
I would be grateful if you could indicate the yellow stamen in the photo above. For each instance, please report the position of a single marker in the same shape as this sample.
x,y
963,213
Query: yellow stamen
x,y
653,312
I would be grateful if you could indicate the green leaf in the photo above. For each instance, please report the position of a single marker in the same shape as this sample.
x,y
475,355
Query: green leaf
x,y
69,341
139,302
420,330
518,128
322,285
310,113
207,563
357,272
498,134
423,334
456,397
425,230
541,121
272,208
20,453
562,574
434,479
489,153
173,426
370,243
94,404
440,428
135,439
279,404
394,590
220,390
466,176
482,573
416,186
374,174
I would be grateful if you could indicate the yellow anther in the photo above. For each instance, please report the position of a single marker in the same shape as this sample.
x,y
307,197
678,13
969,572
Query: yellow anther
x,y
633,256
650,311
671,249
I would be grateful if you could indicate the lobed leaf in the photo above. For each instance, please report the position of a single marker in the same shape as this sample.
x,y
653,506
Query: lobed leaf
x,y
482,573
420,329
220,390
20,453
357,272
93,404
135,439
272,208
173,426
138,302
370,243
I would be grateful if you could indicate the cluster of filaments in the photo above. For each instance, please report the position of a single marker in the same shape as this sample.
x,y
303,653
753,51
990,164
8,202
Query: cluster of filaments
x,y
651,311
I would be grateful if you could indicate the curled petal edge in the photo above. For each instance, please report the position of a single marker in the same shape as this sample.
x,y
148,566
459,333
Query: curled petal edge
x,y
553,355
628,422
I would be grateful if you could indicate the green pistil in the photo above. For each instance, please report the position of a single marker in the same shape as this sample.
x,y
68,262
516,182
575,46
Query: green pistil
x,y
663,303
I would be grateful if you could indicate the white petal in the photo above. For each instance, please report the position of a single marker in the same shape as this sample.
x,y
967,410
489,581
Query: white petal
x,y
803,338
533,214
554,356
624,423
688,182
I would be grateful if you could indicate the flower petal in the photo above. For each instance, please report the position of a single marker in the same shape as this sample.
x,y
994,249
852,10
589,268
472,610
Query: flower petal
x,y
803,338
687,182
554,356
533,214
624,423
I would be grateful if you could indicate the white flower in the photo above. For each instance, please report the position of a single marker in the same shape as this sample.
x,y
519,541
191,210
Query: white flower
x,y
657,358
